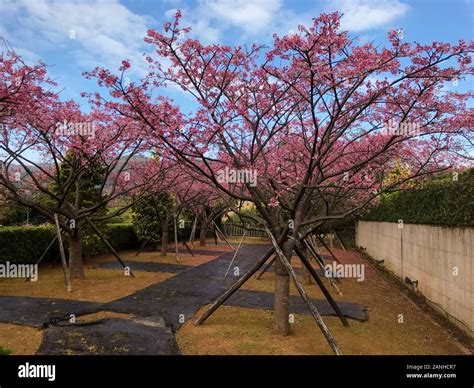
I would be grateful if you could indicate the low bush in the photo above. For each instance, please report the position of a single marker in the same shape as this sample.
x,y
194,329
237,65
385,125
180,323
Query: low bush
x,y
25,244
120,236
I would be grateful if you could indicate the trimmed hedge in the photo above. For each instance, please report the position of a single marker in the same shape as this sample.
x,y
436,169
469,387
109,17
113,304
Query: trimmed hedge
x,y
25,244
120,236
439,202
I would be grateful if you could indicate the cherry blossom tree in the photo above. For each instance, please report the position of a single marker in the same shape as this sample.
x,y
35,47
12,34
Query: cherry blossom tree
x,y
310,126
200,198
58,160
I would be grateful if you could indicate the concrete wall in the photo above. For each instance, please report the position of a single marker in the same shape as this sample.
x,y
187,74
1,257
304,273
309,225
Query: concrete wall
x,y
429,254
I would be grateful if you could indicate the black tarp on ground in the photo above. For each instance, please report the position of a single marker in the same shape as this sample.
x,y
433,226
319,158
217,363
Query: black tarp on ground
x,y
196,251
24,310
175,298
319,271
113,336
147,266
264,301
178,298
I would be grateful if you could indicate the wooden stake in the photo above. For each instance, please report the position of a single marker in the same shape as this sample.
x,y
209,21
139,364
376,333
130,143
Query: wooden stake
x,y
340,240
314,253
314,310
235,254
320,262
265,269
328,249
222,235
46,250
67,276
146,243
193,233
215,234
44,254
175,236
189,249
58,256
114,252
321,285
221,299
331,238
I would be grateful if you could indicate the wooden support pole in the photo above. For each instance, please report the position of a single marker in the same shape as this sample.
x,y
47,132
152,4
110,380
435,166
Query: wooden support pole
x,y
112,249
331,239
265,269
44,253
222,235
312,239
343,246
58,256
142,247
146,243
314,310
46,250
221,299
215,234
321,285
67,275
175,237
187,247
314,253
328,249
193,233
320,261
235,254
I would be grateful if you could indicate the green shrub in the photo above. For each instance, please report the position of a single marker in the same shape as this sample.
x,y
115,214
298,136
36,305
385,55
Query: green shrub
x,y
442,201
120,236
25,244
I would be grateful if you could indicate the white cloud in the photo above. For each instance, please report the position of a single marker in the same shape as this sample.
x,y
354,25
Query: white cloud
x,y
360,15
106,32
249,15
211,19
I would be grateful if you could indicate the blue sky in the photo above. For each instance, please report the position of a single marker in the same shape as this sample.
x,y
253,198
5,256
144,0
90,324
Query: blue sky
x,y
73,36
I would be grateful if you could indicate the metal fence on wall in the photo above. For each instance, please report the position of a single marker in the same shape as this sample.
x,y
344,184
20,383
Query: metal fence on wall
x,y
237,230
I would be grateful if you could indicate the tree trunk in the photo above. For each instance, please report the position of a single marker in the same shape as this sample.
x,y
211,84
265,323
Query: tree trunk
x,y
282,292
164,236
203,233
75,255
